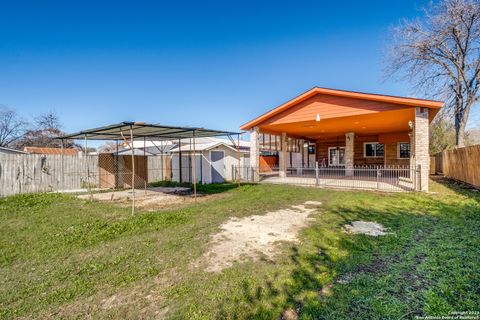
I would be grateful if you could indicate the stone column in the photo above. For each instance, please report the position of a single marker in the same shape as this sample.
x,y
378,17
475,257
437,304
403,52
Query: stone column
x,y
255,153
412,148
349,153
282,156
421,146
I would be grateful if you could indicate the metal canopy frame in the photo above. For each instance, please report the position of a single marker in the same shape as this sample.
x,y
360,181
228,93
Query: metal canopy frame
x,y
152,132
142,130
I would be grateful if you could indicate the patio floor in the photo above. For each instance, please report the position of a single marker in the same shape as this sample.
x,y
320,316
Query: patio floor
x,y
391,185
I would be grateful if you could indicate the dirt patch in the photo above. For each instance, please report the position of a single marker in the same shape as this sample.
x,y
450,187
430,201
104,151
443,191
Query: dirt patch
x,y
366,227
151,199
252,236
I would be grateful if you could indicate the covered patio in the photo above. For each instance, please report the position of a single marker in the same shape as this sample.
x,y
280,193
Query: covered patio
x,y
345,139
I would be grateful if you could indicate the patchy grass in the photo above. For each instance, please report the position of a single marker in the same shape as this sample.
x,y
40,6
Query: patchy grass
x,y
64,257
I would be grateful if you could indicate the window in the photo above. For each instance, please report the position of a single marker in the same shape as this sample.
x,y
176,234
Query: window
x,y
336,156
403,150
373,150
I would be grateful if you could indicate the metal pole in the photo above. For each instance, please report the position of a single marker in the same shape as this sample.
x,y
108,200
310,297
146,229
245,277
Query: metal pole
x,y
238,154
133,170
115,170
146,165
63,170
316,173
194,170
117,174
86,168
180,160
161,163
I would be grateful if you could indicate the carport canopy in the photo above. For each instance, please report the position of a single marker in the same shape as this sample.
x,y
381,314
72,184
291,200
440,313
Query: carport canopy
x,y
129,131
142,130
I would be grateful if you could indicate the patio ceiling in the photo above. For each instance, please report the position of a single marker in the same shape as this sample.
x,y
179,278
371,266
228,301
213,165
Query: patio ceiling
x,y
141,130
341,112
343,102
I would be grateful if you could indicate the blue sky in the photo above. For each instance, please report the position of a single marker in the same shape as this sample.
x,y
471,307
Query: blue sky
x,y
215,64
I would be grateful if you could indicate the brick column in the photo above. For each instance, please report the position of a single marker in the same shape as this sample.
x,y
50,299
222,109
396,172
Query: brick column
x,y
282,156
421,146
254,154
349,153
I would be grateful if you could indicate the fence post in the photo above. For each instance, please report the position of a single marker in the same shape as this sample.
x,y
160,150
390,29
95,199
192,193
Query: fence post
x,y
378,176
419,175
316,174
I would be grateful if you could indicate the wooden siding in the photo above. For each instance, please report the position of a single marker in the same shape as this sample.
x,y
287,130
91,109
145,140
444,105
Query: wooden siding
x,y
359,158
391,152
330,107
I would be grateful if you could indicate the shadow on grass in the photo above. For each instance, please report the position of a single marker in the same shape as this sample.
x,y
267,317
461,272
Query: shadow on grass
x,y
344,276
218,187
210,188
457,187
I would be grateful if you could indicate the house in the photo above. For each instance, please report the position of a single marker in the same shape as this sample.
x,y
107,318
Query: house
x,y
49,151
344,129
5,150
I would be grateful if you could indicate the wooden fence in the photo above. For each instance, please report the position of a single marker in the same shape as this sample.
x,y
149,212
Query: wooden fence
x,y
462,164
29,173
32,173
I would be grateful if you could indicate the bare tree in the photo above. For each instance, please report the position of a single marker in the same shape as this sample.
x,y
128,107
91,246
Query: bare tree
x,y
441,57
107,147
47,128
12,126
49,120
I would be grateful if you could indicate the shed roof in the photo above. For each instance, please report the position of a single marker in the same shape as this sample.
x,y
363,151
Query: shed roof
x,y
205,147
120,131
11,151
41,150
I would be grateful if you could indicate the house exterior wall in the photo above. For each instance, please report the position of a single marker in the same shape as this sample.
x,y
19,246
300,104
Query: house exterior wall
x,y
390,157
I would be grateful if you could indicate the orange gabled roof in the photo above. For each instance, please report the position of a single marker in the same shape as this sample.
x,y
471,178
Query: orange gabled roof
x,y
40,150
414,102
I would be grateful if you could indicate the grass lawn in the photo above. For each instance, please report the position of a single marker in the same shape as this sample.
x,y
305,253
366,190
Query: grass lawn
x,y
61,257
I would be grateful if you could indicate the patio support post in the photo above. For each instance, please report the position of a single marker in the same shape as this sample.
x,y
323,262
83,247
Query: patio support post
x,y
282,161
421,137
254,154
349,153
